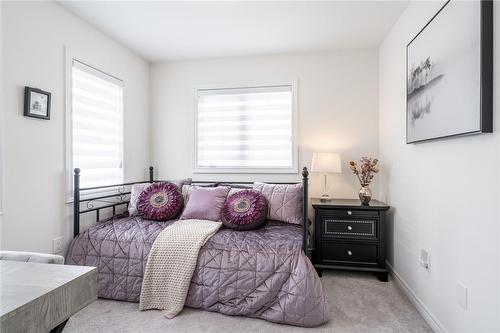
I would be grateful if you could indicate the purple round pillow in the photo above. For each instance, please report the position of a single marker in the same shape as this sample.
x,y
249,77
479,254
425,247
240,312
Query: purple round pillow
x,y
160,202
245,210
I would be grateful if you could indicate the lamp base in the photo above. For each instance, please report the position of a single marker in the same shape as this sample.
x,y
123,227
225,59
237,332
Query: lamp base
x,y
325,198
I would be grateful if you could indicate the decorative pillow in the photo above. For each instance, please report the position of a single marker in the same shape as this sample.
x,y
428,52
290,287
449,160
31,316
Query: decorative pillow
x,y
285,201
188,188
138,188
205,203
245,210
160,201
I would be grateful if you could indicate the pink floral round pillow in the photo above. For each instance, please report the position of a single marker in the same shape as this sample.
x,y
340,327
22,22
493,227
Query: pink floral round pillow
x,y
245,210
160,202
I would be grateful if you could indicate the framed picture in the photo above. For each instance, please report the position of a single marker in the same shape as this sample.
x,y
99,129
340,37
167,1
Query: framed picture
x,y
36,103
449,73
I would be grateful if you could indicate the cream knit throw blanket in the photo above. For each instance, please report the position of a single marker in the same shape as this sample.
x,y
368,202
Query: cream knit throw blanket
x,y
171,264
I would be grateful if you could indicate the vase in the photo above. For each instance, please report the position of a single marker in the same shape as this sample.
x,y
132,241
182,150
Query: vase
x,y
365,194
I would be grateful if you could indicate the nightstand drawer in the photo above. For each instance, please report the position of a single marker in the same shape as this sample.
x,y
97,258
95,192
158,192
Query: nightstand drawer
x,y
349,228
349,253
350,213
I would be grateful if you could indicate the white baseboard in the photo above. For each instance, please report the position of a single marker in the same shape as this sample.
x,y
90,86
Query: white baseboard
x,y
429,317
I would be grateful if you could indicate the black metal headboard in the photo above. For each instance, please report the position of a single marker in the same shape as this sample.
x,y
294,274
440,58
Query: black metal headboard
x,y
120,197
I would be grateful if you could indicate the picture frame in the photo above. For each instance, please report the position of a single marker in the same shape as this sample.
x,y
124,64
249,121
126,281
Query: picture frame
x,y
36,103
449,73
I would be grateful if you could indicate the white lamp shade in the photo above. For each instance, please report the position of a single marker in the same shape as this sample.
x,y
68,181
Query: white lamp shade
x,y
326,163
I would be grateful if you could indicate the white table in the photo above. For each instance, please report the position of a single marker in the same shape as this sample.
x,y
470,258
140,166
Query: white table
x,y
41,297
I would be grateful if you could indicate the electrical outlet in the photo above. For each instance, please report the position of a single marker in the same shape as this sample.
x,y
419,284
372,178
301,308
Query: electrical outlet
x,y
425,259
57,245
462,297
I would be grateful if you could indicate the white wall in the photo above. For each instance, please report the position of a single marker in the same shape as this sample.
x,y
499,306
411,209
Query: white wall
x,y
34,160
445,196
1,125
337,109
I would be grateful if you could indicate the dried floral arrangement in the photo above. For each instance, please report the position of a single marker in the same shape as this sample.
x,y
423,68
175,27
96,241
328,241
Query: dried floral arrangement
x,y
368,169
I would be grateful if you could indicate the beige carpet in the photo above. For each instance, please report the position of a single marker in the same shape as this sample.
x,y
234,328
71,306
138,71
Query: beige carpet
x,y
358,303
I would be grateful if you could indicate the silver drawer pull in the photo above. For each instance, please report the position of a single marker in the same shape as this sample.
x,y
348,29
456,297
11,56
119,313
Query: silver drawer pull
x,y
349,252
349,212
349,227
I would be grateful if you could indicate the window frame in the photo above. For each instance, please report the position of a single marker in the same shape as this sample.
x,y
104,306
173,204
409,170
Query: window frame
x,y
68,144
249,170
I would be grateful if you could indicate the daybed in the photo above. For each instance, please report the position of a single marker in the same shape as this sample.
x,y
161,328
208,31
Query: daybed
x,y
263,273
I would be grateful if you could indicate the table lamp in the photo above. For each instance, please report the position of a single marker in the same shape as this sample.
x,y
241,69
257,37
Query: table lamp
x,y
326,163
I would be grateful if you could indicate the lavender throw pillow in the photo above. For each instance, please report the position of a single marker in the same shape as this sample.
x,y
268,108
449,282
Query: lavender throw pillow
x,y
205,203
160,202
285,201
245,210
138,188
187,189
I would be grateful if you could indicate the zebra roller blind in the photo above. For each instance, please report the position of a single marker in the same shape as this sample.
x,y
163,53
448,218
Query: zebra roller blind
x,y
245,129
97,126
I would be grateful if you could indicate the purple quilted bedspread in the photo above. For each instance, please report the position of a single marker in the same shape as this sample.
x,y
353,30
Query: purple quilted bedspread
x,y
261,273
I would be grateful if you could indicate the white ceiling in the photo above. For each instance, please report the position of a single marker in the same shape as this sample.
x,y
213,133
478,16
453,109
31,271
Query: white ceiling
x,y
163,31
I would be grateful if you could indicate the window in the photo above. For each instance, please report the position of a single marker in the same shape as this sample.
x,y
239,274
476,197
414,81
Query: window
x,y
96,126
246,130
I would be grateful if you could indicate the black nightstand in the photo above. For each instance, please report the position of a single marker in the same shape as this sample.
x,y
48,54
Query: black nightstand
x,y
348,235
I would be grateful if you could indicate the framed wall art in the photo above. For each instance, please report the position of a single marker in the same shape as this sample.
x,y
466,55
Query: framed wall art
x,y
449,73
36,103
